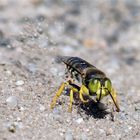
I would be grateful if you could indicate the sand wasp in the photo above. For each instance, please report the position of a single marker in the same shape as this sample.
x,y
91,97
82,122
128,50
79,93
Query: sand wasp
x,y
94,82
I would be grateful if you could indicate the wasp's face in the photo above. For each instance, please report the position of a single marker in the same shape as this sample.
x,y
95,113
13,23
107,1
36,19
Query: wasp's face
x,y
100,86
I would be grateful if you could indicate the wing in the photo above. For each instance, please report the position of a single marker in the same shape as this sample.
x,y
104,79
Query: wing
x,y
75,63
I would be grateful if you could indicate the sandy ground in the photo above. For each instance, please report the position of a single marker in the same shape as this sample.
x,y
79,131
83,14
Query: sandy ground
x,y
32,33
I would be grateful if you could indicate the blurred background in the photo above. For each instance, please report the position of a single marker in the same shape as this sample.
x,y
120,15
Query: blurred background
x,y
105,33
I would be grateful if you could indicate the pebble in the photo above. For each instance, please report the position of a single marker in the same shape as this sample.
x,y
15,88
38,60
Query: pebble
x,y
83,137
136,117
60,74
122,116
18,119
67,50
54,71
12,128
12,101
40,30
19,83
42,108
32,67
9,73
79,120
58,118
9,47
4,42
21,108
20,89
109,132
101,131
18,125
137,108
35,35
68,135
56,111
123,108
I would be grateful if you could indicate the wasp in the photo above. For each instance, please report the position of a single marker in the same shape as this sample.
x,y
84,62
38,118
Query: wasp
x,y
94,82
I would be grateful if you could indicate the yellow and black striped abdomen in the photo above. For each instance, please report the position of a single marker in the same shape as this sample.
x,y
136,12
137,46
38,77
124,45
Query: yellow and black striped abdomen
x,y
75,63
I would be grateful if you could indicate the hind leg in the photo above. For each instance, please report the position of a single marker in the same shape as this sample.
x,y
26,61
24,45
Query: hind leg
x,y
57,95
73,88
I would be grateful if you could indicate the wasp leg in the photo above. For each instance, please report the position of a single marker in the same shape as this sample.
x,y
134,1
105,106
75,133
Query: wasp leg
x,y
58,94
71,100
83,91
114,98
74,88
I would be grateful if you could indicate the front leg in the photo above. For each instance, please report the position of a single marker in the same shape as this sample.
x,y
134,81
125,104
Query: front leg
x,y
83,92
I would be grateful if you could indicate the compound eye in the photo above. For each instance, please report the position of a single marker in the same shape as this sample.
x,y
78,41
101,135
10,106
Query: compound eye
x,y
96,85
108,85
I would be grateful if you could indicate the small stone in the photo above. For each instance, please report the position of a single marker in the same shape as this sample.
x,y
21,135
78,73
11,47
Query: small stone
x,y
83,137
54,71
136,117
79,120
109,132
68,135
40,30
18,125
87,130
36,35
12,101
12,128
68,120
67,50
56,111
122,108
9,73
101,131
137,108
9,46
32,67
19,119
42,108
20,83
58,118
60,74
20,89
39,84
129,127
21,108
61,134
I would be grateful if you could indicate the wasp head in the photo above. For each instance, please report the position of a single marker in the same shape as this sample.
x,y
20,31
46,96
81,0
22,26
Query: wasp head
x,y
101,86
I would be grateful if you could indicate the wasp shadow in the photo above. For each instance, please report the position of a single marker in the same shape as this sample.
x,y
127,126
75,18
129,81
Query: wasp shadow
x,y
94,109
